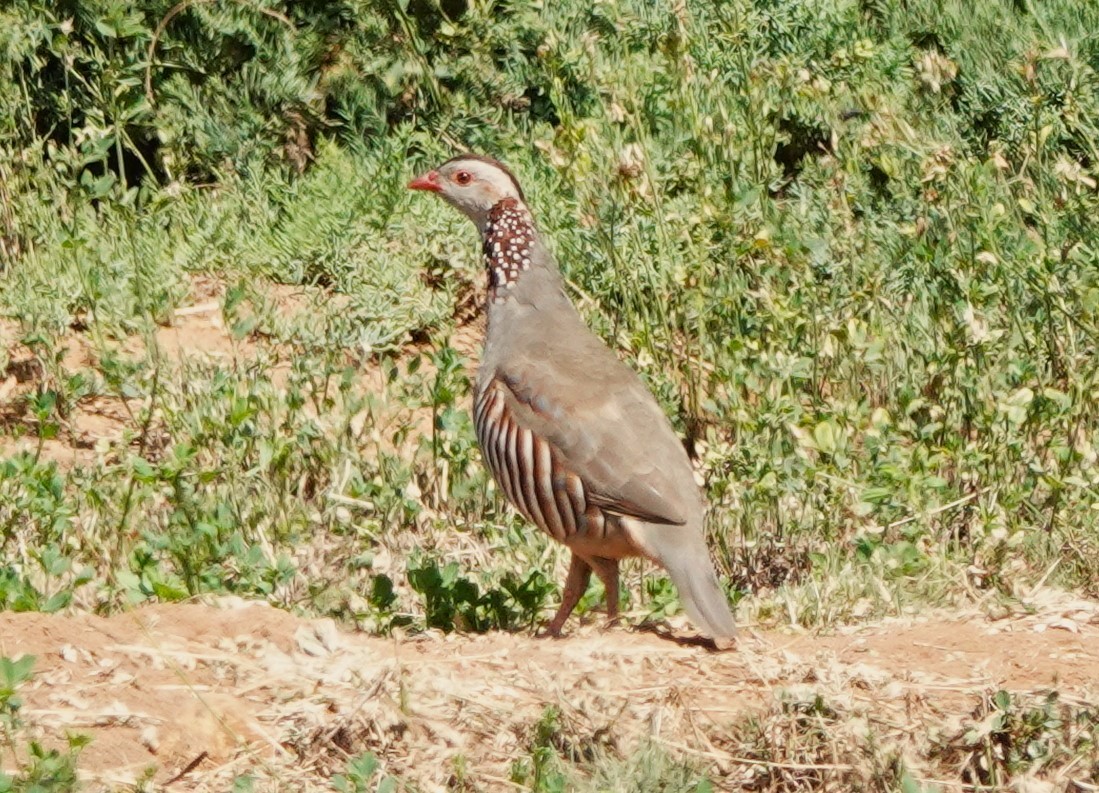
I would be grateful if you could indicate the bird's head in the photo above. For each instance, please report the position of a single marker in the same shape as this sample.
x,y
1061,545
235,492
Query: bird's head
x,y
471,183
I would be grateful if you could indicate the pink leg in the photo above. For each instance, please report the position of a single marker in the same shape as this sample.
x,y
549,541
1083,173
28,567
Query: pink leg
x,y
575,586
607,570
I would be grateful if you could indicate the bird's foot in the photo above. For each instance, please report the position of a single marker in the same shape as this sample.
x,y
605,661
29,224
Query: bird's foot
x,y
611,622
551,631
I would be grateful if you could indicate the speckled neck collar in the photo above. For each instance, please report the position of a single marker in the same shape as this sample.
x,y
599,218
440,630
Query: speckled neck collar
x,y
508,241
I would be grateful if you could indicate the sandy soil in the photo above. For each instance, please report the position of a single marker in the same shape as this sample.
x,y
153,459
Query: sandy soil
x,y
230,686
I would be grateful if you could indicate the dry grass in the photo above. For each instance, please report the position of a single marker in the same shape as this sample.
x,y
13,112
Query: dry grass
x,y
251,691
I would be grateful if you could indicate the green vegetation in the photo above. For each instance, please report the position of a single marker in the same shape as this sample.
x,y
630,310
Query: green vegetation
x,y
852,250
38,769
851,245
555,748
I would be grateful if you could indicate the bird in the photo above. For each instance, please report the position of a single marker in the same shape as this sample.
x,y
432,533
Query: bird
x,y
569,432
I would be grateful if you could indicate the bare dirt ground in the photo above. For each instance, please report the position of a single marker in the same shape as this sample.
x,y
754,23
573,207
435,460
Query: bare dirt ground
x,y
230,687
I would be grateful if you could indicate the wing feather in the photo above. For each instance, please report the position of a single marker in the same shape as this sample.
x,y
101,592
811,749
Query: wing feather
x,y
619,444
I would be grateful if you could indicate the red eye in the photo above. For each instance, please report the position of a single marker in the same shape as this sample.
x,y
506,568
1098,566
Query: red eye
x,y
463,177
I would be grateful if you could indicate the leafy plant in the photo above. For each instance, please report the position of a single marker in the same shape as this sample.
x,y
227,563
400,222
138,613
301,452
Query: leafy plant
x,y
454,602
363,775
44,770
1007,737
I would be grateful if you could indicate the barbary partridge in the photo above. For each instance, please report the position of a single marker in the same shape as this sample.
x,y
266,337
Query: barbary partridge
x,y
570,433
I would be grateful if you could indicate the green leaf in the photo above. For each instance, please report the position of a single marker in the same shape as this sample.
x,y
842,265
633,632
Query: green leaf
x,y
169,593
57,602
877,495
826,435
142,469
15,671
